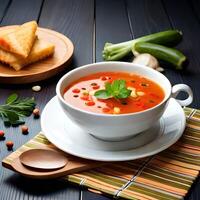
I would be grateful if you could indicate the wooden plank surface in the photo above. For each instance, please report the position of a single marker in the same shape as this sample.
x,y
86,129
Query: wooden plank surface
x,y
195,6
93,196
20,11
74,19
111,24
182,17
115,21
146,18
3,8
72,25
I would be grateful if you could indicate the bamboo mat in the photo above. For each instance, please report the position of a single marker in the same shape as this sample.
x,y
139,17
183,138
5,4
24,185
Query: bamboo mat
x,y
167,175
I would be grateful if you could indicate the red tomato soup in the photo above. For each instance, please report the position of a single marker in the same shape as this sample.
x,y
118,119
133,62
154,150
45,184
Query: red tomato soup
x,y
145,93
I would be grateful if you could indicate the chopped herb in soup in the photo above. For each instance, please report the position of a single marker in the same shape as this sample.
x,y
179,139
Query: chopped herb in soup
x,y
114,93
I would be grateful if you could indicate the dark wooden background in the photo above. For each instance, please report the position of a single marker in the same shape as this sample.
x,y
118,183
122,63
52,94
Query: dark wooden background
x,y
89,24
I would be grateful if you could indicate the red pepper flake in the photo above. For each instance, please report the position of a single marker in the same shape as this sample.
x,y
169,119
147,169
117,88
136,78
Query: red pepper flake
x,y
75,96
103,78
90,103
95,87
106,110
93,84
9,145
76,90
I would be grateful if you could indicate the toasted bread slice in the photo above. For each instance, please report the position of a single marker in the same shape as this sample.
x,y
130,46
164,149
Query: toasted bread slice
x,y
41,49
19,41
7,31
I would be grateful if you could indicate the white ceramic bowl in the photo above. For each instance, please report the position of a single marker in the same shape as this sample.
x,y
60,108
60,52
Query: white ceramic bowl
x,y
119,127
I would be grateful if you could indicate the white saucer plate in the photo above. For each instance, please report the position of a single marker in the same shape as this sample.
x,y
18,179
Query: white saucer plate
x,y
68,137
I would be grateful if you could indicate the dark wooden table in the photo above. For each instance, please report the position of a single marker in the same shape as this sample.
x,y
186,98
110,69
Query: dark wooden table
x,y
89,24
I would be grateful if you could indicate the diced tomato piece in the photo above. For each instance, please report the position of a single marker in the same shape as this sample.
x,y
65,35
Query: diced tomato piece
x,y
76,90
85,97
95,87
106,110
90,103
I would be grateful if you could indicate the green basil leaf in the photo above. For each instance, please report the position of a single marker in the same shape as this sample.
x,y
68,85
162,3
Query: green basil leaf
x,y
12,98
115,85
122,84
118,85
108,87
102,94
117,90
124,93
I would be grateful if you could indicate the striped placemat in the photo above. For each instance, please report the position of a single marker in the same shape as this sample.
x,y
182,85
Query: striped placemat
x,y
167,175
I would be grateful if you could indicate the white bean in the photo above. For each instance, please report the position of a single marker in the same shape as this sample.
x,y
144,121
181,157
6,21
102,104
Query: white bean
x,y
36,88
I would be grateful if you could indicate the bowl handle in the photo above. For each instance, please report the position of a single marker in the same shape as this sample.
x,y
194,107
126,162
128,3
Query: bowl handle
x,y
182,88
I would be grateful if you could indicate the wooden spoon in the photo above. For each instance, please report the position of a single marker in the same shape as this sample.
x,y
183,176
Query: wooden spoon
x,y
43,159
28,165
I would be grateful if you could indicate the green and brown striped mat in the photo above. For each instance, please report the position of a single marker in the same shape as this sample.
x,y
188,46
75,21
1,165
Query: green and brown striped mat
x,y
167,175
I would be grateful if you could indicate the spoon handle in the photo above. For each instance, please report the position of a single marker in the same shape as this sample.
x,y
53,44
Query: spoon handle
x,y
75,165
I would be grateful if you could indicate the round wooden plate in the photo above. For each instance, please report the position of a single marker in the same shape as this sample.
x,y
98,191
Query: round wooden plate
x,y
42,69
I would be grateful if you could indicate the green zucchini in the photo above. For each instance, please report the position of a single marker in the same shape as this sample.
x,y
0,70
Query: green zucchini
x,y
167,54
167,38
120,50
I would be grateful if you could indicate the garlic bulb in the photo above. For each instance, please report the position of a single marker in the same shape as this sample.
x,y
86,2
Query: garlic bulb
x,y
160,69
147,60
